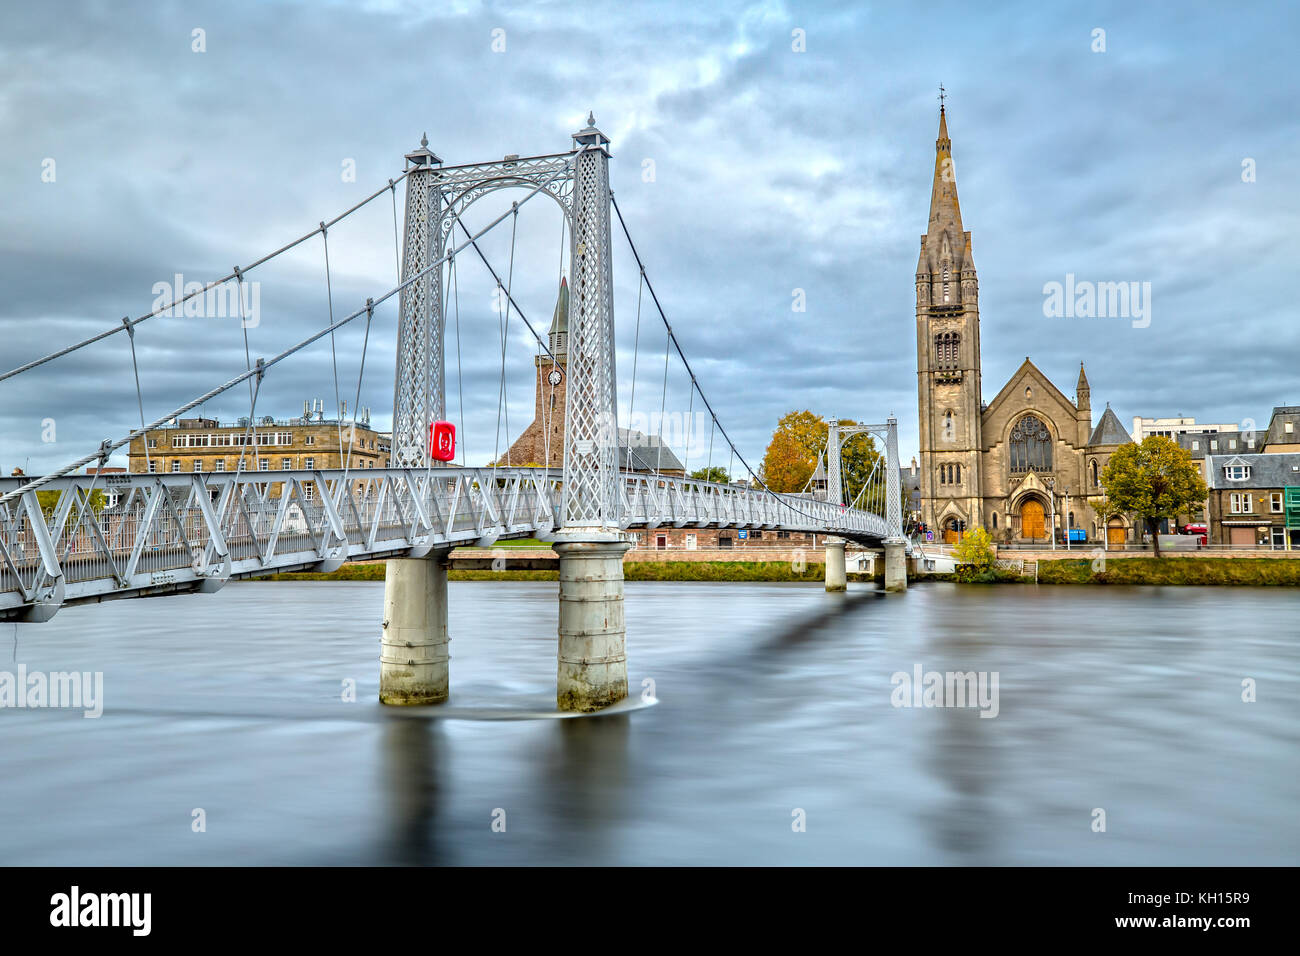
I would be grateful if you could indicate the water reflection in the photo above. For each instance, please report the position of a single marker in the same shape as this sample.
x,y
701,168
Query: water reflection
x,y
414,767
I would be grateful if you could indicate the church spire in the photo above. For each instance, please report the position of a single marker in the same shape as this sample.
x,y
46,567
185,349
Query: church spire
x,y
945,212
1082,393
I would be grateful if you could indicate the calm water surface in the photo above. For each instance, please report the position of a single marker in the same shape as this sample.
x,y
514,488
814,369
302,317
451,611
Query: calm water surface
x,y
770,698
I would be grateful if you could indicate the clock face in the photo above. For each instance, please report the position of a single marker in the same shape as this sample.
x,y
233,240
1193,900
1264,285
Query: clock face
x,y
554,377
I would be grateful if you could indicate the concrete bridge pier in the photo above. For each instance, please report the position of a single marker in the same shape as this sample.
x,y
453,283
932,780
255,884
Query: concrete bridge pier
x,y
413,658
592,668
836,578
895,564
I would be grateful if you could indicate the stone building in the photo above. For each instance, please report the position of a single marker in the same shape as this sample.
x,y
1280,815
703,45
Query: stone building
x,y
1024,463
1255,500
307,443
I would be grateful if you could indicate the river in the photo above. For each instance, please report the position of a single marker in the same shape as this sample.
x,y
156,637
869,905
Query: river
x,y
773,736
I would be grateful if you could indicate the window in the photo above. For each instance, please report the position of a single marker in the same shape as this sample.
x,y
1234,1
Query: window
x,y
1288,427
263,464
1232,443
1096,476
176,464
947,345
309,463
286,464
1236,472
690,542
958,479
198,465
220,465
309,440
1214,444
309,491
1275,502
1196,446
1240,504
153,467
153,443
1031,446
994,522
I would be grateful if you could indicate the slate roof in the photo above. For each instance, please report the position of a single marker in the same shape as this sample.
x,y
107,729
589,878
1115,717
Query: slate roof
x,y
1266,471
645,453
1110,430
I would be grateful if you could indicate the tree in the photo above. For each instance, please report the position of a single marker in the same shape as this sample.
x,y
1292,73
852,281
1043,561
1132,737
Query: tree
x,y
797,443
1154,480
792,454
974,554
716,474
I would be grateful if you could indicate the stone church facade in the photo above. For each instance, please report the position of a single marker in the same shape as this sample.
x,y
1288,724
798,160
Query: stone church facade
x,y
1007,465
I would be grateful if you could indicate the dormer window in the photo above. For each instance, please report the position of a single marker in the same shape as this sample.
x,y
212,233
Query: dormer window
x,y
1236,472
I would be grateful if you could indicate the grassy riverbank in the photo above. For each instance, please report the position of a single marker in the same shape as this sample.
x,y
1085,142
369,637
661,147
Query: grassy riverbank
x,y
1252,572
632,571
1177,571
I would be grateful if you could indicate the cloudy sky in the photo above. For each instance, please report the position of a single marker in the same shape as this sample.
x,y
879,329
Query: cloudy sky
x,y
129,157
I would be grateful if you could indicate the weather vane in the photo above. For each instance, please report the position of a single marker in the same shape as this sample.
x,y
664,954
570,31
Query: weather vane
x,y
942,95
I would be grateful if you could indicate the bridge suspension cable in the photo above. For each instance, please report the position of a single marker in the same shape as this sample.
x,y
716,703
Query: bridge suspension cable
x,y
129,324
695,385
108,446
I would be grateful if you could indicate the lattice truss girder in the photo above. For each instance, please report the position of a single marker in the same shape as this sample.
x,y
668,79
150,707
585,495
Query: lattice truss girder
x,y
182,532
836,435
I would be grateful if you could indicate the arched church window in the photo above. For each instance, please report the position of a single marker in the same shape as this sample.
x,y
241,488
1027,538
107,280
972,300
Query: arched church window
x,y
995,521
958,480
943,474
1030,446
1096,480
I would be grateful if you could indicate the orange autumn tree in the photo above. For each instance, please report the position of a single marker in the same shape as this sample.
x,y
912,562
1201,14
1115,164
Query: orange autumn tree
x,y
797,443
792,454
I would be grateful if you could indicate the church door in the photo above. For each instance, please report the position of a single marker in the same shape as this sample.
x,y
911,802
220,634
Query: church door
x,y
1115,533
1031,520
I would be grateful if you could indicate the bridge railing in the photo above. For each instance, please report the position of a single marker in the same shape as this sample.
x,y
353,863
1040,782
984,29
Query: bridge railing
x,y
179,531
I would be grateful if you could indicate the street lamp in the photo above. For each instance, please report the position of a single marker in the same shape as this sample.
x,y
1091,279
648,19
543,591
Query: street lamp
x,y
1051,502
1068,523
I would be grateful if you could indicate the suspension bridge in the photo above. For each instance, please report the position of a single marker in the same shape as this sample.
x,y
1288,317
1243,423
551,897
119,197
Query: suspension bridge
x,y
172,533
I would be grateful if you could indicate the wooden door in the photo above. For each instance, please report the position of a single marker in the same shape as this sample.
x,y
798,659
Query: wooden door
x,y
1115,536
1031,520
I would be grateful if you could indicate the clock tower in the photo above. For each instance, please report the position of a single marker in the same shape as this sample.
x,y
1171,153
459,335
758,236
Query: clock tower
x,y
542,442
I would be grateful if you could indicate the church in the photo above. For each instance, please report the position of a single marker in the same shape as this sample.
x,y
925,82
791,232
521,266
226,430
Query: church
x,y
1024,463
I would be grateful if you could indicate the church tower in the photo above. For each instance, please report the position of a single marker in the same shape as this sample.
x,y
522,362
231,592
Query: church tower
x,y
948,358
542,442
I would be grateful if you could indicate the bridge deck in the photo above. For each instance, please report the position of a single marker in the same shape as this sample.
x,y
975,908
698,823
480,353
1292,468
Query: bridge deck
x,y
185,532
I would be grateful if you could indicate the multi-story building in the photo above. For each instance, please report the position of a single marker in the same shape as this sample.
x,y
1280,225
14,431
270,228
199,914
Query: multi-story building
x,y
308,443
1173,427
1255,500
1283,435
